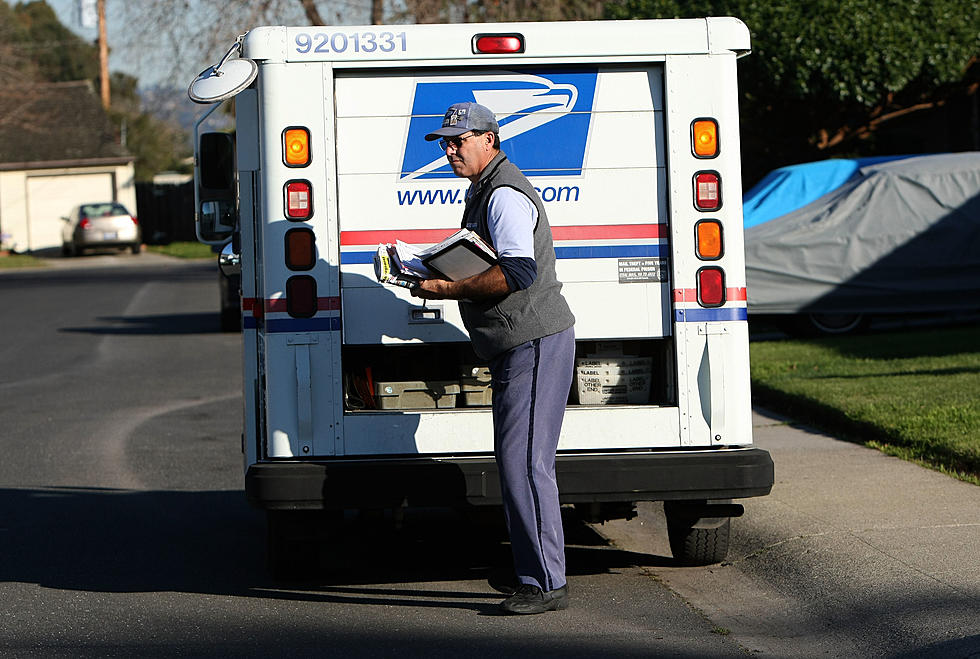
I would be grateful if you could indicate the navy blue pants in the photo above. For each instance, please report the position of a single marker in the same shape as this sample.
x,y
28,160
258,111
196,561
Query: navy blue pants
x,y
530,390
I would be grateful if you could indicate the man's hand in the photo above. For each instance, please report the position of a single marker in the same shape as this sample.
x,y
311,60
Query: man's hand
x,y
432,289
489,283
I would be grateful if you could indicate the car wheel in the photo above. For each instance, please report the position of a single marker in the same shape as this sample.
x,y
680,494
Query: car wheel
x,y
135,248
231,320
65,249
838,323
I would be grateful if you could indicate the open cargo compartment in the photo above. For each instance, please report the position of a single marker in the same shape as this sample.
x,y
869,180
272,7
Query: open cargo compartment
x,y
449,376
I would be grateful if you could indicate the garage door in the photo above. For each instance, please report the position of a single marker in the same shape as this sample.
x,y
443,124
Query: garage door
x,y
51,197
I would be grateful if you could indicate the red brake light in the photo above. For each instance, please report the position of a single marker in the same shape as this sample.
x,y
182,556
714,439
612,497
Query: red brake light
x,y
301,299
135,221
85,223
498,44
299,200
711,287
707,191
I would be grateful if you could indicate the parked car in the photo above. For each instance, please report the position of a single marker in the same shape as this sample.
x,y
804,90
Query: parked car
x,y
831,246
100,225
229,288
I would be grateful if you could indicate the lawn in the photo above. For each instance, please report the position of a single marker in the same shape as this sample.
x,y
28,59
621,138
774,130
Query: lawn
x,y
19,261
912,394
184,250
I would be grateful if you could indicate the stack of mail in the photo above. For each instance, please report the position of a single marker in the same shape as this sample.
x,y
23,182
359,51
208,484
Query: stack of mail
x,y
459,256
398,264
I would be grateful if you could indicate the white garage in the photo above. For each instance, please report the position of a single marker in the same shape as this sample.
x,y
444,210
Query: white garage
x,y
50,164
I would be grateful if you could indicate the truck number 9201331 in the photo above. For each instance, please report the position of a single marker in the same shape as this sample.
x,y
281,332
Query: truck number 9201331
x,y
358,42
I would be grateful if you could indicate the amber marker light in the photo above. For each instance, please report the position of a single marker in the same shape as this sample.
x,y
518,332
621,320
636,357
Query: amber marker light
x,y
704,136
296,147
709,240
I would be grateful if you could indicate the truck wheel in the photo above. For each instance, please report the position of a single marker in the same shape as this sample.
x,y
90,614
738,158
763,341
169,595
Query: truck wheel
x,y
697,541
295,541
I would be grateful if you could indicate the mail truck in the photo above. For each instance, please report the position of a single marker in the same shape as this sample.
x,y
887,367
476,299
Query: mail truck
x,y
359,396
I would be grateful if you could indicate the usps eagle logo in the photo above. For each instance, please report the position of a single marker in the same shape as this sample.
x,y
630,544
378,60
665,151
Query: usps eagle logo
x,y
544,119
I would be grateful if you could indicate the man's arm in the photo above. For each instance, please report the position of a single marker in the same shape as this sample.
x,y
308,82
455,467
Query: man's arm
x,y
489,283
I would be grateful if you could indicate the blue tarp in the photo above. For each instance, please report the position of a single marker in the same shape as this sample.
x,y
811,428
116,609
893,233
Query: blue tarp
x,y
786,189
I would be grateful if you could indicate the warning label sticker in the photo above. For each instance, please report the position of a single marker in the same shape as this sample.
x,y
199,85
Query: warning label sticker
x,y
633,271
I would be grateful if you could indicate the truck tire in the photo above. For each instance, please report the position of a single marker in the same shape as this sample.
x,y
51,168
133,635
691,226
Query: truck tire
x,y
697,541
295,543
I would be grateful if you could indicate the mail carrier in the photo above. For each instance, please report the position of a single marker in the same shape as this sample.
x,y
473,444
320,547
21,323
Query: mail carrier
x,y
357,395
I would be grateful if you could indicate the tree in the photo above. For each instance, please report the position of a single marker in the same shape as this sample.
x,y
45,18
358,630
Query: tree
x,y
826,75
36,48
57,54
157,145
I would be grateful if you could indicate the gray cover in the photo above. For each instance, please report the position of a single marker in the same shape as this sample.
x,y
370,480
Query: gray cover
x,y
901,236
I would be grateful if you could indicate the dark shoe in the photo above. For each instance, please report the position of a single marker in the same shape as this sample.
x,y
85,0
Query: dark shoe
x,y
531,599
504,581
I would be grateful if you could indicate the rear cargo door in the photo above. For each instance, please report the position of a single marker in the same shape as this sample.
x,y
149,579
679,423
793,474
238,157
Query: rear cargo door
x,y
591,141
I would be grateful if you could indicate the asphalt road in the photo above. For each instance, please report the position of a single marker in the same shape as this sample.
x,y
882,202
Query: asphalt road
x,y
124,531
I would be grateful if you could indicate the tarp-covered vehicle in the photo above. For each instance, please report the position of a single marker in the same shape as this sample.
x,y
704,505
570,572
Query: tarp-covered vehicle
x,y
898,236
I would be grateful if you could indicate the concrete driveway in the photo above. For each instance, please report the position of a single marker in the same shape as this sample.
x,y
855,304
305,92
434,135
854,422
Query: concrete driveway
x,y
854,554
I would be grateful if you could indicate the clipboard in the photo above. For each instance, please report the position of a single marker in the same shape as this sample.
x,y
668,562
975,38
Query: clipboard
x,y
459,260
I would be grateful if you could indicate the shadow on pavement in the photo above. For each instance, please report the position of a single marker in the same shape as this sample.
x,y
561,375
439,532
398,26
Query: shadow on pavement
x,y
185,323
213,543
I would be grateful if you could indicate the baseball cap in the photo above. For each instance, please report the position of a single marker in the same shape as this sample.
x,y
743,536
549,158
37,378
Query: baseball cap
x,y
464,117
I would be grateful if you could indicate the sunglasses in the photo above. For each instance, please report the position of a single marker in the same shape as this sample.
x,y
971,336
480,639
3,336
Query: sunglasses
x,y
454,142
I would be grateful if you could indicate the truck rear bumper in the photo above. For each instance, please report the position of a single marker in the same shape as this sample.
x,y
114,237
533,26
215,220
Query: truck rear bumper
x,y
617,477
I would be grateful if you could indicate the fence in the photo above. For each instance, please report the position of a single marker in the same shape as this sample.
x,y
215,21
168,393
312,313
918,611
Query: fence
x,y
166,212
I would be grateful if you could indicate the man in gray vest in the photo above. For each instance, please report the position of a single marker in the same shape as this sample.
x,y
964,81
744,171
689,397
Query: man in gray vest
x,y
520,323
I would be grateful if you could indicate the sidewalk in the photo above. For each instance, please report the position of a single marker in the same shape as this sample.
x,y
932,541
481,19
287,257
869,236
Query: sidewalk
x,y
853,554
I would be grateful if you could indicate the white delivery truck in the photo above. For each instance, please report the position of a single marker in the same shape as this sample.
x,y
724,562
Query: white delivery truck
x,y
359,396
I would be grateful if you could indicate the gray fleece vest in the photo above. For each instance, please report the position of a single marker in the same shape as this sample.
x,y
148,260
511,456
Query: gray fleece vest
x,y
499,324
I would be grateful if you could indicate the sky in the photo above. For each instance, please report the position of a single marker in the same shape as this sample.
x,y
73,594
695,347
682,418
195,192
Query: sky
x,y
119,59
170,58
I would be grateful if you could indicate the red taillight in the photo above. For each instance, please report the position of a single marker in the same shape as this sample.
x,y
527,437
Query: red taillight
x,y
299,200
711,287
135,221
300,249
85,223
301,299
707,191
498,44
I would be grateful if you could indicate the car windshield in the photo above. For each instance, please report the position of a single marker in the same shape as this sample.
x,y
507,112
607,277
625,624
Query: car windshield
x,y
107,209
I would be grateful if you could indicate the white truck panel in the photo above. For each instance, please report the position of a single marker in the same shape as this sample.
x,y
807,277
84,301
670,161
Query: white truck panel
x,y
409,433
563,41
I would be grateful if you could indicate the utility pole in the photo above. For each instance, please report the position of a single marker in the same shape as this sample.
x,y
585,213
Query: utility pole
x,y
103,56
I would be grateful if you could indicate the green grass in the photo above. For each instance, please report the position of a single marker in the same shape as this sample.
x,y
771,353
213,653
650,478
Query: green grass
x,y
913,394
183,250
20,261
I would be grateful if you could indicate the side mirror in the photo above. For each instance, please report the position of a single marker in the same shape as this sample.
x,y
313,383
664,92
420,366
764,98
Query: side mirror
x,y
217,191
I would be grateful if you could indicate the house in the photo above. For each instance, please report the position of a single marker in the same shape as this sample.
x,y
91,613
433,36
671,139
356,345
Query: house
x,y
57,149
